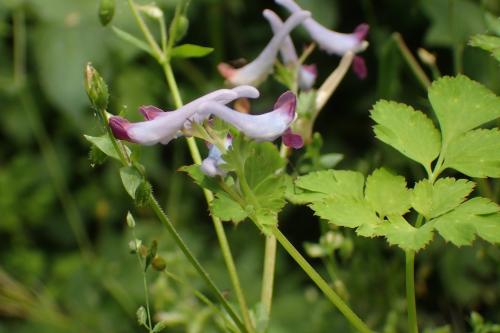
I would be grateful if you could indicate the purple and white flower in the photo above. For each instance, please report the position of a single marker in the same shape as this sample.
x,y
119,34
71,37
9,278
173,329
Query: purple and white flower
x,y
256,71
264,127
331,41
306,73
163,126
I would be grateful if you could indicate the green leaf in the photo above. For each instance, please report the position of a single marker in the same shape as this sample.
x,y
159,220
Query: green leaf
x,y
131,179
263,162
194,171
399,232
387,193
306,103
432,200
333,183
190,51
487,43
461,105
410,132
227,209
475,216
476,153
346,212
104,144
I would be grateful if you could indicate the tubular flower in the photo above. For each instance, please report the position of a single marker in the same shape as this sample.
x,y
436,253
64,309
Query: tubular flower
x,y
162,127
307,73
257,71
264,127
210,165
331,41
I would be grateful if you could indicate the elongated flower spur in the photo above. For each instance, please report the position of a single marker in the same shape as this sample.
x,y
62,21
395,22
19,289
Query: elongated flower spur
x,y
264,127
333,42
163,126
306,73
256,71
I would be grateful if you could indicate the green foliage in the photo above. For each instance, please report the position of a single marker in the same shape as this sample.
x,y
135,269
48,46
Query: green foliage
x,y
432,200
190,51
131,179
461,104
487,43
475,153
387,193
410,132
104,144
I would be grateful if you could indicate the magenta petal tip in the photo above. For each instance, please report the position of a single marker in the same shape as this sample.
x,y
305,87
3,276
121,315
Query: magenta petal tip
x,y
119,127
287,100
292,140
150,112
359,67
361,31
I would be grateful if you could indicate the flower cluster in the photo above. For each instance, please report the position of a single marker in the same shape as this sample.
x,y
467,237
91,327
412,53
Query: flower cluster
x,y
163,126
330,41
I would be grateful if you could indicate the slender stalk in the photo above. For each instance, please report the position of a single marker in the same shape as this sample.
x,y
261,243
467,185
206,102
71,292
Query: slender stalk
x,y
411,61
410,292
195,154
219,228
266,296
194,262
336,300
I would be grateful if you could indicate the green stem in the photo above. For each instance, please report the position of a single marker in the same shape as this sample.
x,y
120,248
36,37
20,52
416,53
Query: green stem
x,y
266,296
195,154
194,262
411,61
219,229
336,300
410,292
147,34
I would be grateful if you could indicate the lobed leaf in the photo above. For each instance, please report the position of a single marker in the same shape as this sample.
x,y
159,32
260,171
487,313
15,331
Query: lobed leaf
x,y
346,212
476,216
410,132
387,193
333,183
399,232
461,105
476,153
432,200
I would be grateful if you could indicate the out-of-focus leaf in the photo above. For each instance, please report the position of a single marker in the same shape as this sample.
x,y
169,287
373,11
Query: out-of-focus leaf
x,y
190,51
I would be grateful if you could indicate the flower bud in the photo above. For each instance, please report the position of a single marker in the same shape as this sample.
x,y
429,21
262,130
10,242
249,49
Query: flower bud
x,y
106,11
159,264
130,220
96,88
182,27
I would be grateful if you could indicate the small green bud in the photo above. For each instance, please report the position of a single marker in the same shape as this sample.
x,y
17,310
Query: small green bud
x,y
143,193
159,264
182,27
96,88
130,220
141,316
143,250
106,11
134,245
152,11
96,156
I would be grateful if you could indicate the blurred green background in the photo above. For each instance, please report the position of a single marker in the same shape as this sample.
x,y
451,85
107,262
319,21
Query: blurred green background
x,y
65,265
